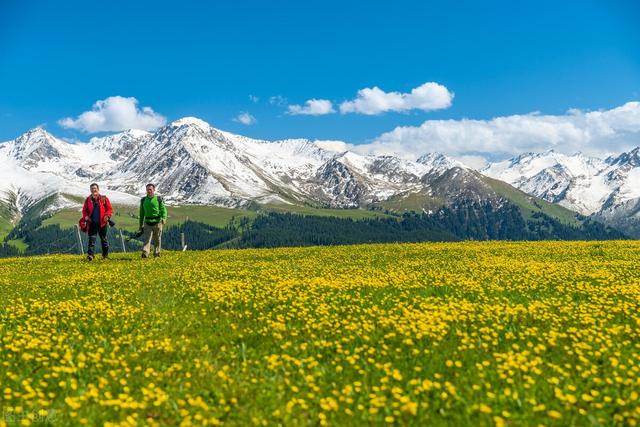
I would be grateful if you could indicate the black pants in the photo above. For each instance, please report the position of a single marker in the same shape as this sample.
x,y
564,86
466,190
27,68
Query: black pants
x,y
102,231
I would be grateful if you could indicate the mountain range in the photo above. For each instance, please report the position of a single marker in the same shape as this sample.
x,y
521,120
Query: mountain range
x,y
192,162
606,189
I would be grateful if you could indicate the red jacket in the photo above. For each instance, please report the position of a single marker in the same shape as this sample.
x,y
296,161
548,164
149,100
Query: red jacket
x,y
105,209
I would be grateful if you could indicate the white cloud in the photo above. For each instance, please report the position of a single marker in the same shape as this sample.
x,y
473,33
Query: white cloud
x,y
597,133
115,113
313,107
426,97
337,146
254,99
278,100
245,118
475,162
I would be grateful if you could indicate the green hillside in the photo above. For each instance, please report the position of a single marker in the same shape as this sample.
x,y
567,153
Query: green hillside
x,y
126,216
7,215
5,223
529,205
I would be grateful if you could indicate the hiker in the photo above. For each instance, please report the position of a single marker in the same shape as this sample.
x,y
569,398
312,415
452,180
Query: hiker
x,y
153,215
96,213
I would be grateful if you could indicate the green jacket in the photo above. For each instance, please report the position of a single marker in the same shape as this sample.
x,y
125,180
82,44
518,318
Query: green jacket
x,y
152,210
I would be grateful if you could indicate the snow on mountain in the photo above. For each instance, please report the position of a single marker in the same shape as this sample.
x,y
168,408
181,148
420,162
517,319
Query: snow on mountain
x,y
528,165
630,188
438,163
351,180
585,184
193,162
287,162
34,165
118,146
626,160
37,146
40,151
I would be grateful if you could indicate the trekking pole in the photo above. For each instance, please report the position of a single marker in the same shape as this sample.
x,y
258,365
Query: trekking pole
x,y
182,245
79,240
124,249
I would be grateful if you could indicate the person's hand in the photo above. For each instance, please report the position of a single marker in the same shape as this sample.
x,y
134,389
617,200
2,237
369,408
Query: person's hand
x,y
107,217
164,221
86,218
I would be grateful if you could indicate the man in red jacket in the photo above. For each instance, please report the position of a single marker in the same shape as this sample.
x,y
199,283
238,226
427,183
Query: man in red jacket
x,y
97,212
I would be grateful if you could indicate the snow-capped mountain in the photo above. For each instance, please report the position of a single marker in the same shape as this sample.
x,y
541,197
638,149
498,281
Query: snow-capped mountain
x,y
438,163
608,189
192,162
37,164
118,146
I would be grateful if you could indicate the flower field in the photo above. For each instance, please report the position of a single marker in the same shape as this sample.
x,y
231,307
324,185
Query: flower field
x,y
490,333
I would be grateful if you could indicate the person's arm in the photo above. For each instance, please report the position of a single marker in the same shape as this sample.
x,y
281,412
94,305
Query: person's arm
x,y
109,211
163,210
141,215
85,210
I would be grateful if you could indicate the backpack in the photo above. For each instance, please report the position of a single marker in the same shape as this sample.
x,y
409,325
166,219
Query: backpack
x,y
160,201
103,199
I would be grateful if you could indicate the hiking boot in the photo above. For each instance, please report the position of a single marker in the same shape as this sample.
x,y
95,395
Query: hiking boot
x,y
145,255
156,255
105,256
90,257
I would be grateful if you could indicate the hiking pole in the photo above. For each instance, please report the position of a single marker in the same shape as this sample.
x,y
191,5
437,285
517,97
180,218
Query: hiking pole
x,y
79,240
124,249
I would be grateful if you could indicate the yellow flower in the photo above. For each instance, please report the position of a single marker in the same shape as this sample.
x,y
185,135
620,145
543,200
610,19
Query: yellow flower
x,y
485,409
554,414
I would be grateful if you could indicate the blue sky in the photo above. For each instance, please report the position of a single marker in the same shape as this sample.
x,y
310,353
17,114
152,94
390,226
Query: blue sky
x,y
204,59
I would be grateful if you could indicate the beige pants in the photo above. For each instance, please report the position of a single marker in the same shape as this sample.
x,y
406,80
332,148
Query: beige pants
x,y
152,235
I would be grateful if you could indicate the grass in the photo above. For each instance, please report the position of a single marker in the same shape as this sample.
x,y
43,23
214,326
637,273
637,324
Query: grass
x,y
212,215
5,227
490,333
126,216
7,215
18,243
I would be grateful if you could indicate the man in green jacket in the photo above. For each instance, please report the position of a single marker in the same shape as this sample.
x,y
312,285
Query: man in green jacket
x,y
153,215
